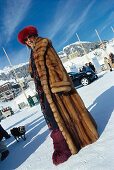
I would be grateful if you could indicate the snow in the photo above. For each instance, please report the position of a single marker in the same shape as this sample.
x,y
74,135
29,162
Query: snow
x,y
36,152
7,69
77,42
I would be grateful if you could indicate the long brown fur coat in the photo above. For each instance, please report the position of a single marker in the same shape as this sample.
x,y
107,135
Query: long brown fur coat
x,y
75,122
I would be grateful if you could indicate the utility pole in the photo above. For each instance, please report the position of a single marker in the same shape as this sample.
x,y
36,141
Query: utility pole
x,y
101,42
112,28
82,47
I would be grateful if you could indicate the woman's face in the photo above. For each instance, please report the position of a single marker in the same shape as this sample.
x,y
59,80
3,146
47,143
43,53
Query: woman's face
x,y
30,40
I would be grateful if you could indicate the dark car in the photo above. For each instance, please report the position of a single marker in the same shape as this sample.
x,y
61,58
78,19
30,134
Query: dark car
x,y
82,78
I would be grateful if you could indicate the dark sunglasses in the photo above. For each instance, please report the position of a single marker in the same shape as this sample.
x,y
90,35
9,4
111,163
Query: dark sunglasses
x,y
28,37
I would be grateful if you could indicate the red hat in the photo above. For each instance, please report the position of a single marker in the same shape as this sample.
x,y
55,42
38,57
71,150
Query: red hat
x,y
25,32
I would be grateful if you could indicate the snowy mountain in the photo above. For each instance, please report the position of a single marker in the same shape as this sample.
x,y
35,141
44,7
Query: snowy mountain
x,y
93,49
76,48
7,73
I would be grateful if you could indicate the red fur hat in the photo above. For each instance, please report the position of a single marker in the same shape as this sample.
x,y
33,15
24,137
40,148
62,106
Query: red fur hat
x,y
25,32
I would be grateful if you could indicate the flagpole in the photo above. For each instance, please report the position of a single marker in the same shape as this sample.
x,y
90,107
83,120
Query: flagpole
x,y
101,42
82,47
112,28
15,75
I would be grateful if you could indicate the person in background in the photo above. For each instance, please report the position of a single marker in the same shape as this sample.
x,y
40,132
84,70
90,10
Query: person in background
x,y
3,148
106,61
72,126
83,68
30,100
92,66
111,59
80,69
88,68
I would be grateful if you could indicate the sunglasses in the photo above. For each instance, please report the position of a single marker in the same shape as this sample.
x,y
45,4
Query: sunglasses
x,y
28,37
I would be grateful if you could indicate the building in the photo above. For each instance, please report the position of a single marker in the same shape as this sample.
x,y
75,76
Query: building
x,y
8,91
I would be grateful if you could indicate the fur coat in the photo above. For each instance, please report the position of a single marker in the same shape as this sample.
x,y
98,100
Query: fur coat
x,y
75,122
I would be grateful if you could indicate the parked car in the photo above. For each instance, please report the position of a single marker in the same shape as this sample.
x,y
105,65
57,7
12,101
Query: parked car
x,y
82,78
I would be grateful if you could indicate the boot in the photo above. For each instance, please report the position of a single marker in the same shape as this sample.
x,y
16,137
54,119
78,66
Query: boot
x,y
61,150
4,155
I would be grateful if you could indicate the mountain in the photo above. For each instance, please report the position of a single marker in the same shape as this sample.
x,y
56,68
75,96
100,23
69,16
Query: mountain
x,y
76,48
21,71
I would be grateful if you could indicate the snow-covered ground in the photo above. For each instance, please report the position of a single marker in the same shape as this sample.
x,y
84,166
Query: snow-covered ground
x,y
36,152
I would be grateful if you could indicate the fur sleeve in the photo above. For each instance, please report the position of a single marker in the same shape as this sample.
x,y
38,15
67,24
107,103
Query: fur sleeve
x,y
58,78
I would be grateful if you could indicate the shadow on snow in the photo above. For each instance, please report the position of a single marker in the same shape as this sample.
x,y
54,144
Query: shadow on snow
x,y
102,108
25,118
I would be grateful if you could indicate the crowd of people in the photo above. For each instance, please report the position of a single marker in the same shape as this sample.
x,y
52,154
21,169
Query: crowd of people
x,y
87,67
108,61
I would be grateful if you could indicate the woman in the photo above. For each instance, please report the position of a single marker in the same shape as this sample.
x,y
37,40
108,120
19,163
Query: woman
x,y
72,125
88,68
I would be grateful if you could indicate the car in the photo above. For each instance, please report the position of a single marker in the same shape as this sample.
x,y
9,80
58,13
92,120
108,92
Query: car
x,y
82,78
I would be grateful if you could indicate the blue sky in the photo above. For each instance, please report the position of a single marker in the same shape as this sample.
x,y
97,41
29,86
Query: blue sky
x,y
58,20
